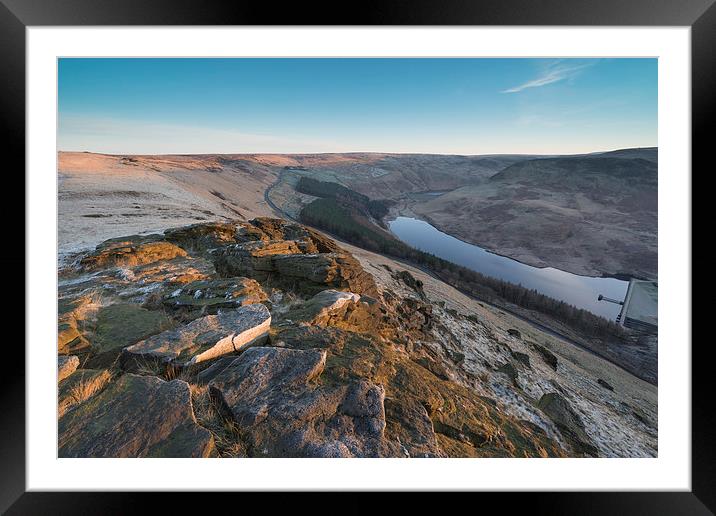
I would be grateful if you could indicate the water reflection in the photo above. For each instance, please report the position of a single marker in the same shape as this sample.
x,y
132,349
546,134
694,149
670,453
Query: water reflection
x,y
580,291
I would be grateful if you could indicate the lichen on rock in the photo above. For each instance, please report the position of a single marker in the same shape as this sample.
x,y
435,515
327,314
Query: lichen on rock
x,y
273,396
135,416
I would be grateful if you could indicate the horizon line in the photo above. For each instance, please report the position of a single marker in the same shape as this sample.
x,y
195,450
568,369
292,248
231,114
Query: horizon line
x,y
353,152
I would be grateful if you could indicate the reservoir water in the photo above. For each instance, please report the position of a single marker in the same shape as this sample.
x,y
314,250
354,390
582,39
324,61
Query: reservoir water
x,y
580,291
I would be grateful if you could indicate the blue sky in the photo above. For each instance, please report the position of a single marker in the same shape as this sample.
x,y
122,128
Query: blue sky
x,y
446,106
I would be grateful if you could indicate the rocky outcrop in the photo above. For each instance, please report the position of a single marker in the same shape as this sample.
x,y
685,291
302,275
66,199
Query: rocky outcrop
x,y
296,257
605,384
69,338
328,302
340,309
509,370
271,395
410,315
409,422
206,297
546,355
343,369
412,283
71,321
129,253
201,237
308,240
253,259
522,358
203,339
66,365
249,232
333,270
568,422
136,416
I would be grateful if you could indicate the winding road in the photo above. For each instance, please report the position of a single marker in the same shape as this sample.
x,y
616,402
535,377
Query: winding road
x,y
267,198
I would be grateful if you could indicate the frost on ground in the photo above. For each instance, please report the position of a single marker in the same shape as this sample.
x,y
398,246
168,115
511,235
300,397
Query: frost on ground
x,y
608,419
102,196
506,365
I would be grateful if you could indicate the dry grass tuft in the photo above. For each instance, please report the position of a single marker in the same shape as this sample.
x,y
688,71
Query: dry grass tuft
x,y
88,304
226,434
179,373
168,372
147,367
87,386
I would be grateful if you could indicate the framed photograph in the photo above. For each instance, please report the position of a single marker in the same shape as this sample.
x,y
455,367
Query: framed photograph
x,y
415,250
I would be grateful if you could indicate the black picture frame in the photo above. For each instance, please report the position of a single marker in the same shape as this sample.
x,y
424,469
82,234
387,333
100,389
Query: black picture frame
x,y
16,15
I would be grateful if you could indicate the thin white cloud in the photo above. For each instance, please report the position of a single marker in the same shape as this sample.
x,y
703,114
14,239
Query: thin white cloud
x,y
555,73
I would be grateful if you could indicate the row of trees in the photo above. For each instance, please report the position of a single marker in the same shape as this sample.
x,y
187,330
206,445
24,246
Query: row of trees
x,y
343,220
345,196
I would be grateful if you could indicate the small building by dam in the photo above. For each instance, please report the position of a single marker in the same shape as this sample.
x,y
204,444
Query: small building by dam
x,y
640,308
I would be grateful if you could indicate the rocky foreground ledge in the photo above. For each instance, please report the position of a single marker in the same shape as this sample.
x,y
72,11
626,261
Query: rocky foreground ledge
x,y
268,339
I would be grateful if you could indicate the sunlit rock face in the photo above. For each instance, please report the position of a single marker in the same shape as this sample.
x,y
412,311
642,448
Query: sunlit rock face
x,y
202,339
267,339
